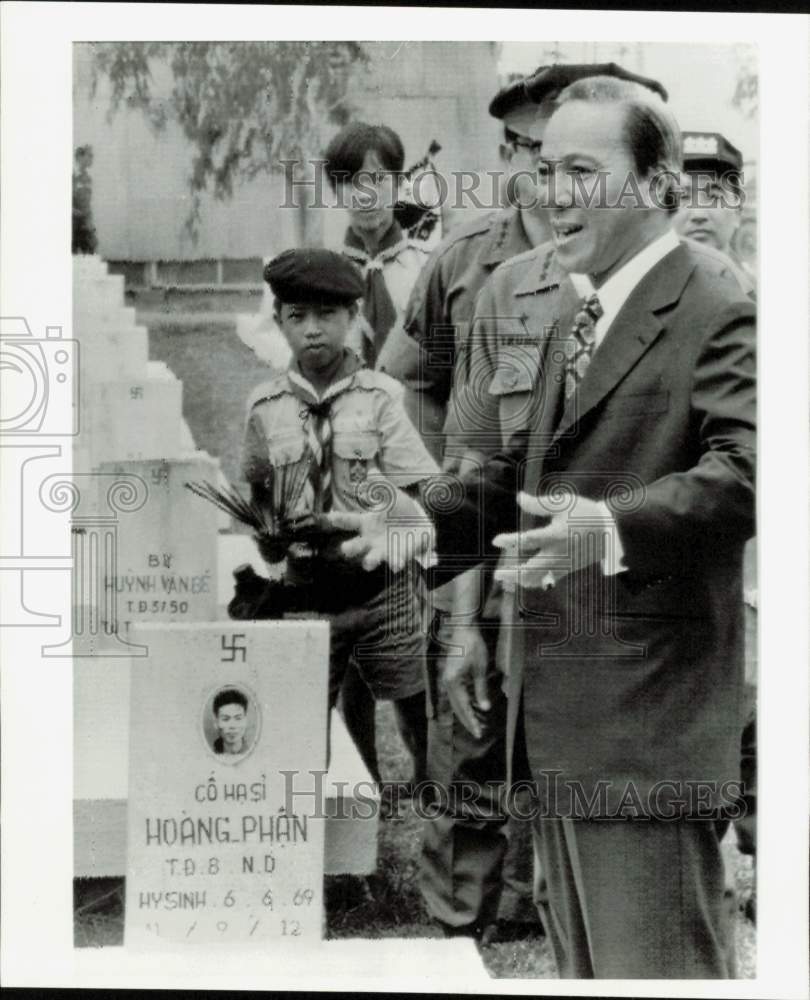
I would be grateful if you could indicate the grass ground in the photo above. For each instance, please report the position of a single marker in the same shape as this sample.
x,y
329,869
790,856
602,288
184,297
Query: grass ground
x,y
218,373
388,904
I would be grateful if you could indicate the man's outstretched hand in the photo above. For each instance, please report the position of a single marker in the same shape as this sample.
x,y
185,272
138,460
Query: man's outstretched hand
x,y
397,535
573,538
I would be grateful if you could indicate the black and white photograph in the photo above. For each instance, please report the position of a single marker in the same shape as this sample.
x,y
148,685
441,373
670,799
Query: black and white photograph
x,y
230,723
396,416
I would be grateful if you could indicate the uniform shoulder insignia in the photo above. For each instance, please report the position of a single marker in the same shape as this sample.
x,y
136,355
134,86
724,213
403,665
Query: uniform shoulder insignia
x,y
273,387
466,230
541,257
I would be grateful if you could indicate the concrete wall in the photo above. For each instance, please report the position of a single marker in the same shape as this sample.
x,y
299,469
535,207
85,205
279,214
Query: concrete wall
x,y
425,90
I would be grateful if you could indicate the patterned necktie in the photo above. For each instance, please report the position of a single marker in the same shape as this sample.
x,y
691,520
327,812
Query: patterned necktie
x,y
319,436
582,342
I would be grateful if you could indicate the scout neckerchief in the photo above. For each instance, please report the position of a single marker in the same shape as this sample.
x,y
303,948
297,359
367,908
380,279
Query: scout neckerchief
x,y
379,311
316,418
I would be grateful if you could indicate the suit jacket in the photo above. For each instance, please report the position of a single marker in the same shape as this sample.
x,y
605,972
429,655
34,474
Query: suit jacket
x,y
627,690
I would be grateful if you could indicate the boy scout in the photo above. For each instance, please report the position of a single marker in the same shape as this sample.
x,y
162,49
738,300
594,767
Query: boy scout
x,y
475,879
346,426
364,164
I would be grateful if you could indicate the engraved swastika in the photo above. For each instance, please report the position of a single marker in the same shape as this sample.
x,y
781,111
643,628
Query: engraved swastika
x,y
234,647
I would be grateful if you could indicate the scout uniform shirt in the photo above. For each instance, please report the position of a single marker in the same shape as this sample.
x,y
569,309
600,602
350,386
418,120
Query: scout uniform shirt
x,y
368,437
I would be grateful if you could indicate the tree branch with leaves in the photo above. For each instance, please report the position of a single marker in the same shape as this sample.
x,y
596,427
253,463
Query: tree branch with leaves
x,y
243,106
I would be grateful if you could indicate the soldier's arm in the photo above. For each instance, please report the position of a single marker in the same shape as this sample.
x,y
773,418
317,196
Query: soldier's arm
x,y
427,323
489,473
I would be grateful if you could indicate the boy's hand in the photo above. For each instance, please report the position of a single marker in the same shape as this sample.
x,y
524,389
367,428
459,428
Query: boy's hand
x,y
272,549
395,536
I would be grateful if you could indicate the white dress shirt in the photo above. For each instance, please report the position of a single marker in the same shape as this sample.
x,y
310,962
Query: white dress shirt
x,y
616,290
612,296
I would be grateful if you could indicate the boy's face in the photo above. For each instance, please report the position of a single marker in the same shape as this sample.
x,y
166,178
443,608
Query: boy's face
x,y
370,195
231,724
315,332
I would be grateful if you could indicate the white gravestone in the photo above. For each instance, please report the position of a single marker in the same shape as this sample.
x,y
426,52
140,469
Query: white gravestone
x,y
163,543
167,550
221,847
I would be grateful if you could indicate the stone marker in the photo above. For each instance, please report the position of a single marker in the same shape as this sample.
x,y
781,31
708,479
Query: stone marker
x,y
222,844
167,550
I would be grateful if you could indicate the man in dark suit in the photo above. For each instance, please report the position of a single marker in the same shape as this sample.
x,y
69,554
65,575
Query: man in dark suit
x,y
626,700
475,866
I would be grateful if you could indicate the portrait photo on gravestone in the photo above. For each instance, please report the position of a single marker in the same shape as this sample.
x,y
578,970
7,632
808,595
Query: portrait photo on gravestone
x,y
414,541
231,722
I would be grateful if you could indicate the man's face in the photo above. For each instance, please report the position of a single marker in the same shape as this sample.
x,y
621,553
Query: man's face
x,y
522,155
595,230
369,196
231,724
710,212
315,332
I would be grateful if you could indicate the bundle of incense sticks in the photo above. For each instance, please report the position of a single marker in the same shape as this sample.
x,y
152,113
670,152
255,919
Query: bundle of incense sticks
x,y
282,490
233,503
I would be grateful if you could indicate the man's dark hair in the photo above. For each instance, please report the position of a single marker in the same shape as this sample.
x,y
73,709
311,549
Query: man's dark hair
x,y
347,150
651,133
230,696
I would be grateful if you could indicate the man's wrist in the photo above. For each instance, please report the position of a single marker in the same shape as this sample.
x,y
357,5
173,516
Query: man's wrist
x,y
613,553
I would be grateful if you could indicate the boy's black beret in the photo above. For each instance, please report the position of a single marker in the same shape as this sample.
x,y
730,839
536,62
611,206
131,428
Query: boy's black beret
x,y
314,275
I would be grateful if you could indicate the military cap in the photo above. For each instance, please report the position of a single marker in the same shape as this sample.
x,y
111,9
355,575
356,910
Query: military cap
x,y
313,275
710,151
547,81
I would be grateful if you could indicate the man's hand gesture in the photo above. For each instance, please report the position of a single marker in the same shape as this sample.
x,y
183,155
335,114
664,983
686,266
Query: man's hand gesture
x,y
573,538
397,535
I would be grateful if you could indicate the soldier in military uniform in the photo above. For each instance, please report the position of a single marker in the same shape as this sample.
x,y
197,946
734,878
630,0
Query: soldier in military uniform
x,y
475,877
712,207
710,215
343,425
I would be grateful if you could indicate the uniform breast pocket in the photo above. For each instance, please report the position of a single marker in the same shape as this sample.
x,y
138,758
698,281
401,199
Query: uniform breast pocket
x,y
513,385
355,460
286,449
286,481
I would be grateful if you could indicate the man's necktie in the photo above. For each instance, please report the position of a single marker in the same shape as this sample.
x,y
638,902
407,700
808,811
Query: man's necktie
x,y
319,436
582,342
